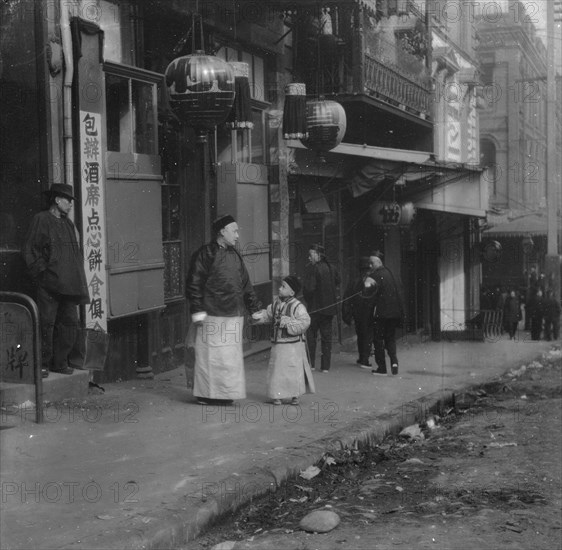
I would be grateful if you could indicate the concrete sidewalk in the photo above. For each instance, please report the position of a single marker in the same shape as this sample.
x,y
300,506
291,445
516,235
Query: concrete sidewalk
x,y
144,466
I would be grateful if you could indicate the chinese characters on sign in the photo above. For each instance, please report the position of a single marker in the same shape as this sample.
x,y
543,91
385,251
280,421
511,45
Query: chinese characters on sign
x,y
93,218
17,356
392,213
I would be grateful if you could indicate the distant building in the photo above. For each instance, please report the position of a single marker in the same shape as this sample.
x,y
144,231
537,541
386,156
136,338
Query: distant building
x,y
513,145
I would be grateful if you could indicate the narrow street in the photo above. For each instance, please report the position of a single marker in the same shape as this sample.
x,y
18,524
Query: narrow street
x,y
482,473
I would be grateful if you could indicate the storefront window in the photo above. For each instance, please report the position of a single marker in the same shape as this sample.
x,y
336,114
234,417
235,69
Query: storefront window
x,y
131,116
145,134
118,114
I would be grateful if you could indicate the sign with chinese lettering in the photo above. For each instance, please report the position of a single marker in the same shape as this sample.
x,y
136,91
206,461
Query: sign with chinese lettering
x,y
392,213
453,136
93,218
472,153
17,359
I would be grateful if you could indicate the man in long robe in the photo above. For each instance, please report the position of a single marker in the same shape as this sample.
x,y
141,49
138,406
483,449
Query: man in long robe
x,y
220,293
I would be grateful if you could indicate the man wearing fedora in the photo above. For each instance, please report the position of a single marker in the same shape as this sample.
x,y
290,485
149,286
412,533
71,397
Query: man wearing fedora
x,y
56,265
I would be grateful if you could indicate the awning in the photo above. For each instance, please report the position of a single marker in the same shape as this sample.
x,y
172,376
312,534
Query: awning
x,y
529,224
431,185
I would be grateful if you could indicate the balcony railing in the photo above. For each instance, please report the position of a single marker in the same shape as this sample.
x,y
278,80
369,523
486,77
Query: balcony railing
x,y
389,84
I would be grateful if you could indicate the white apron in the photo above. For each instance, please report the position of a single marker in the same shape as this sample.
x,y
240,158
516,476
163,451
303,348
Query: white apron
x,y
219,360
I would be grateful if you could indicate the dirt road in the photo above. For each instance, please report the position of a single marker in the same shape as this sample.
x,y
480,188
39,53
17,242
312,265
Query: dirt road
x,y
484,473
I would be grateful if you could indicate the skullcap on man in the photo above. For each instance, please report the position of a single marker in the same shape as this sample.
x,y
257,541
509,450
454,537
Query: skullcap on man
x,y
222,221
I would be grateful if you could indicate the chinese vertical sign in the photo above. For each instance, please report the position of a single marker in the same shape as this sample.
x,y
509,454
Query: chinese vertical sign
x,y
453,137
472,156
93,218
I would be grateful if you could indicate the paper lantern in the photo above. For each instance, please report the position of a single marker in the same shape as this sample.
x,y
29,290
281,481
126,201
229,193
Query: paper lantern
x,y
392,213
294,111
240,116
326,124
201,90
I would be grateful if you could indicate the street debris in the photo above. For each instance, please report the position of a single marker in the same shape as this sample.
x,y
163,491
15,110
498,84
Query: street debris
x,y
430,479
412,432
320,521
310,472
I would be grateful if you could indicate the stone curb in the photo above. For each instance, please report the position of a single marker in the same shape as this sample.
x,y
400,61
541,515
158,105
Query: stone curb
x,y
175,527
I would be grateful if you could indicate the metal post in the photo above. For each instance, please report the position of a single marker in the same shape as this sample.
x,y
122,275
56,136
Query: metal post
x,y
552,263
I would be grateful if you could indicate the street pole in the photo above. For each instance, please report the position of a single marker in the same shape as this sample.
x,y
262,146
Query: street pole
x,y
553,179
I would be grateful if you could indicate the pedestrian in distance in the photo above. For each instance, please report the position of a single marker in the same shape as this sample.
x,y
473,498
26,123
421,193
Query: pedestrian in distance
x,y
320,291
388,313
536,314
357,309
289,375
55,262
220,293
512,313
551,316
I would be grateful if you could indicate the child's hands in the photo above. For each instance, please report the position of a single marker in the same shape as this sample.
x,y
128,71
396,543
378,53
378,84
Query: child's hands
x,y
284,321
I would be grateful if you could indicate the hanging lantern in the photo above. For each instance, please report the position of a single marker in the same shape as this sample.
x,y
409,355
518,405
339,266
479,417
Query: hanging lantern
x,y
528,244
240,116
490,251
392,213
294,111
201,90
326,124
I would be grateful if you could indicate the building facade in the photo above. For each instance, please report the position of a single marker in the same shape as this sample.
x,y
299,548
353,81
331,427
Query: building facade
x,y
85,103
513,140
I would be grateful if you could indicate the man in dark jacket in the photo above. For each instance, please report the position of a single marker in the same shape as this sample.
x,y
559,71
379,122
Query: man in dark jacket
x,y
551,316
388,313
536,313
56,265
357,308
320,293
219,292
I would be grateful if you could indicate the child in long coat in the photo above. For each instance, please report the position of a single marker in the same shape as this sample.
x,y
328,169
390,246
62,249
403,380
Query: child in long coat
x,y
289,374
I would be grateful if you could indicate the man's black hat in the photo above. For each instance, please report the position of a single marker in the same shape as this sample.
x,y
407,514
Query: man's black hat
x,y
318,248
293,282
60,190
222,221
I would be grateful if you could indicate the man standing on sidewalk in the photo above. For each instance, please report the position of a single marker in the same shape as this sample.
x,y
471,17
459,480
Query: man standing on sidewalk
x,y
357,309
219,292
320,293
388,313
56,265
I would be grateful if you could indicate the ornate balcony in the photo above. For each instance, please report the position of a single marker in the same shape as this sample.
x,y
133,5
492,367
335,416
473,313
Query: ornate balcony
x,y
390,85
378,55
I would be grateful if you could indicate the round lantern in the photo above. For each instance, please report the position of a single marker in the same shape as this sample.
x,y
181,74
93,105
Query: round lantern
x,y
490,251
201,90
326,124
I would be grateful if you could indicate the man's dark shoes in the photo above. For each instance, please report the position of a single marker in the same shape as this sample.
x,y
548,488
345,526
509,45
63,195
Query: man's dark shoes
x,y
210,401
363,364
66,370
379,371
394,369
